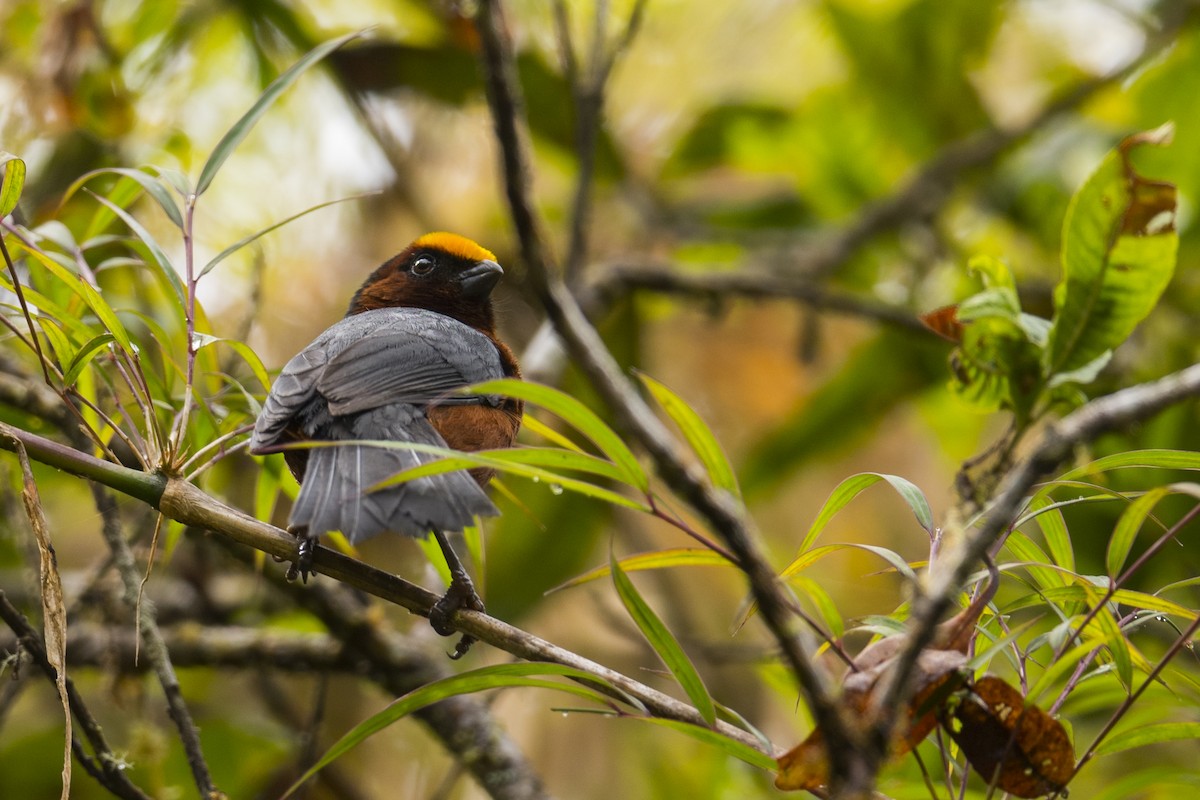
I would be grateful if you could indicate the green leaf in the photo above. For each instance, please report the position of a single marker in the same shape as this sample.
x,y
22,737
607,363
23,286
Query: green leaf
x,y
509,460
576,414
247,354
85,356
240,243
14,182
280,85
732,747
1119,246
853,486
1054,530
698,435
494,677
149,183
658,559
1156,459
664,643
1130,523
1149,734
88,293
159,256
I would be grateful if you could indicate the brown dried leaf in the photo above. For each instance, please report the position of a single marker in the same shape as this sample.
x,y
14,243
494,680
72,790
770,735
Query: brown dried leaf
x,y
944,322
1024,750
806,766
54,610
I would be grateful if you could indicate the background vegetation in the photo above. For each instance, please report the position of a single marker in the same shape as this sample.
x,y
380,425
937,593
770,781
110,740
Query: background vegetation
x,y
753,202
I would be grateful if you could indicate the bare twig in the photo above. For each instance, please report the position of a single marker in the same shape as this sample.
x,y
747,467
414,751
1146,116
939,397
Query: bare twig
x,y
105,767
152,638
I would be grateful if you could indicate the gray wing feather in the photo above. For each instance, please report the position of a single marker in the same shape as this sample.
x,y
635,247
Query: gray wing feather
x,y
367,377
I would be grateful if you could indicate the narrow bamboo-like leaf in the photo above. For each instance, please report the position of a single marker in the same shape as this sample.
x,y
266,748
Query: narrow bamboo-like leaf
x,y
89,295
807,559
280,85
853,486
1118,647
1127,527
157,254
494,677
1149,734
1027,550
148,182
664,643
732,747
501,460
1119,245
578,416
85,356
1054,530
698,434
240,243
824,603
248,355
534,425
658,559
1150,602
14,182
1156,459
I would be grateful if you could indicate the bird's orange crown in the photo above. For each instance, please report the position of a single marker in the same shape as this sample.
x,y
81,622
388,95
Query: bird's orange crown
x,y
455,245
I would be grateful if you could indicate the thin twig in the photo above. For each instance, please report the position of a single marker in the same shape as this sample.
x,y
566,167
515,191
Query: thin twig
x,y
156,648
106,767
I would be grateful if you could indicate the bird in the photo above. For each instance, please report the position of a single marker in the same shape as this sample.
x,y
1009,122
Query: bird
x,y
420,328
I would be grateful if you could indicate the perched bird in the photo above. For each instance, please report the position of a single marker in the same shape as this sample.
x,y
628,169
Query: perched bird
x,y
420,328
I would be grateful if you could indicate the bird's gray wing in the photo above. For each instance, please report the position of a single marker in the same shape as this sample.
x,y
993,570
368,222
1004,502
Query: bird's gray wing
x,y
411,356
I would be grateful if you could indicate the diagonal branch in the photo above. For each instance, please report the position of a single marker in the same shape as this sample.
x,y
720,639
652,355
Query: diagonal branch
x,y
724,515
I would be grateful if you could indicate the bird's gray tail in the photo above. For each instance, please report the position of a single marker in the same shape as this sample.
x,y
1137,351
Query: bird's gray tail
x,y
334,493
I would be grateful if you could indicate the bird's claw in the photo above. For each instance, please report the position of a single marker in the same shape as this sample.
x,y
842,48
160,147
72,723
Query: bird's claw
x,y
302,567
460,594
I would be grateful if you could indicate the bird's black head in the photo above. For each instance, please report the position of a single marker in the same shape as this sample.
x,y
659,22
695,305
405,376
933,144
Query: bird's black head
x,y
441,272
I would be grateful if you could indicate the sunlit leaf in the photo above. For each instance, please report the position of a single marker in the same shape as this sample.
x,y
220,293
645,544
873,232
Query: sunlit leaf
x,y
502,460
234,136
1119,245
578,416
658,559
85,356
853,486
13,182
704,444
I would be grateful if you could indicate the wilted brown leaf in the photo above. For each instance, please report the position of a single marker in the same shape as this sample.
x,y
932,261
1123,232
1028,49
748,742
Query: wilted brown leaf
x,y
806,766
936,676
1024,750
944,322
54,611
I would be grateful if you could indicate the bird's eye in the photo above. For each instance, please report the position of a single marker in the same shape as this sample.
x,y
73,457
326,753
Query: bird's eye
x,y
423,266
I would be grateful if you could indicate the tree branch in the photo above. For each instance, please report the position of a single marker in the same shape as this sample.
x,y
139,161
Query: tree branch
x,y
724,515
106,767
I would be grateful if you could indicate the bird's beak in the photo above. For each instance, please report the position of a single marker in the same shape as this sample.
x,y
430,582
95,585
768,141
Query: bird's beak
x,y
479,280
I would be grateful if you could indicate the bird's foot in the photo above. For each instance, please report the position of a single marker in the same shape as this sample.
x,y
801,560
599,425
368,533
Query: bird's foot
x,y
460,594
305,551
